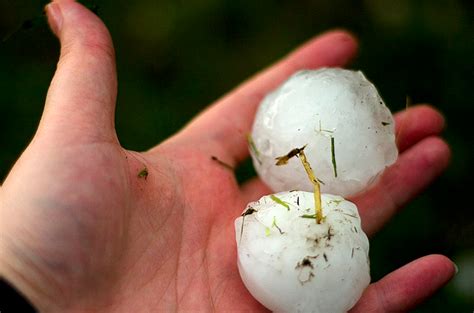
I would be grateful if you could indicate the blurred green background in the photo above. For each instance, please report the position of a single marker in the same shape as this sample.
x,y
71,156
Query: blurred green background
x,y
176,57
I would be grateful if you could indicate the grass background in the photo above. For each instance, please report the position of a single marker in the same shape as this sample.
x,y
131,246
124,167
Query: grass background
x,y
176,57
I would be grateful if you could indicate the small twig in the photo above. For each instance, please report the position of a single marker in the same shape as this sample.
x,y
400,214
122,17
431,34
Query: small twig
x,y
253,148
279,201
333,157
283,160
143,173
309,171
222,163
274,224
317,188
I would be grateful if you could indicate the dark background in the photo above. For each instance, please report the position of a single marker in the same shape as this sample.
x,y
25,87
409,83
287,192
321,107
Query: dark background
x,y
176,57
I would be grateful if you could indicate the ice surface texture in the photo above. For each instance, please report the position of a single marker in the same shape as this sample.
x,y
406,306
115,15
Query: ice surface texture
x,y
308,109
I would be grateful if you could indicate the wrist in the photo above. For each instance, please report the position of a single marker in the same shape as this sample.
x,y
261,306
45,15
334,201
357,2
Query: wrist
x,y
15,271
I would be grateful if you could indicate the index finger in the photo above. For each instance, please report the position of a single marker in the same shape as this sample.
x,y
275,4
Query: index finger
x,y
223,127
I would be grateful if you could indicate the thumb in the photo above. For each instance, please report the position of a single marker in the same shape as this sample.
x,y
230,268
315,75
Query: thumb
x,y
81,99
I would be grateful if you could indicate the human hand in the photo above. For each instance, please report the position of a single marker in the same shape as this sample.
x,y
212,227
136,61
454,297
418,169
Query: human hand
x,y
83,228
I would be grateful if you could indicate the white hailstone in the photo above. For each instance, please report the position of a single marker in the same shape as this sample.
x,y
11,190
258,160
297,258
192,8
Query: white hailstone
x,y
289,263
346,127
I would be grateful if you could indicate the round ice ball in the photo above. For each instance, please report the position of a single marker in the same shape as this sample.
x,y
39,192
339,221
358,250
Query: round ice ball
x,y
289,263
346,127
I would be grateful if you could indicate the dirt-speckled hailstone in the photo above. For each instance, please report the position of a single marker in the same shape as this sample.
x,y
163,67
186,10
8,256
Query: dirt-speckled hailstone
x,y
289,263
339,115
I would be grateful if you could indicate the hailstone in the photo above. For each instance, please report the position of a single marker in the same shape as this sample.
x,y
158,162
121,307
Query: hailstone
x,y
290,263
340,118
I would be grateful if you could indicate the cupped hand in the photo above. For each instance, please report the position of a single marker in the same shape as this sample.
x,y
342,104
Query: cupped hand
x,y
88,226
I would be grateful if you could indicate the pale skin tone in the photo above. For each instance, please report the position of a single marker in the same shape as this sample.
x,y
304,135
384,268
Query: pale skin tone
x,y
80,231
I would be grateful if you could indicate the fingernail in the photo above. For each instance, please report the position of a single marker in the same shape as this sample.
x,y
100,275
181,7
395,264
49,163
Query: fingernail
x,y
456,268
55,18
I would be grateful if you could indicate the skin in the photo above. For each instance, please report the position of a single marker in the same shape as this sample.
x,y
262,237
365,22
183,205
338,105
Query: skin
x,y
80,231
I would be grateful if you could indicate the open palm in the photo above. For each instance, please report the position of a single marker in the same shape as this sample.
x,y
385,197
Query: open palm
x,y
86,225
